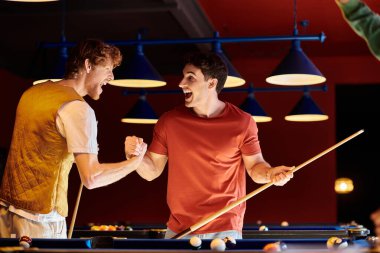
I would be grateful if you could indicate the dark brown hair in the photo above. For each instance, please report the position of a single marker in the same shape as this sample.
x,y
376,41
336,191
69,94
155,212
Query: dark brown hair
x,y
211,65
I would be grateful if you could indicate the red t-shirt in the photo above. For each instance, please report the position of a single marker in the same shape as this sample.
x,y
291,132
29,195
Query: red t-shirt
x,y
206,169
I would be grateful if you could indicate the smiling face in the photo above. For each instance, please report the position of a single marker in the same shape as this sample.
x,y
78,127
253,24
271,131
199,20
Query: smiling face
x,y
98,76
91,64
197,90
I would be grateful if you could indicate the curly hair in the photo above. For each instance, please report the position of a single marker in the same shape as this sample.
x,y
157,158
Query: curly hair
x,y
96,51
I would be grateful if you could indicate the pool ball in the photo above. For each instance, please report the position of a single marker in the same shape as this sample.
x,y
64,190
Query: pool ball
x,y
120,227
95,228
336,243
284,224
103,227
25,241
263,228
217,244
282,245
195,242
230,242
111,228
275,247
272,247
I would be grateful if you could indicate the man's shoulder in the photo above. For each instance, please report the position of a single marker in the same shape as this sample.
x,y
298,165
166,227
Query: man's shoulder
x,y
77,107
235,111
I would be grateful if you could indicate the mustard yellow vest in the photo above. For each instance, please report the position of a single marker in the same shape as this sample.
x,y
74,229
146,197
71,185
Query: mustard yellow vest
x,y
36,174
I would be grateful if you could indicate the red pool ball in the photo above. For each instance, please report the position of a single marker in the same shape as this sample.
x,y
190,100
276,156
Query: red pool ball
x,y
25,241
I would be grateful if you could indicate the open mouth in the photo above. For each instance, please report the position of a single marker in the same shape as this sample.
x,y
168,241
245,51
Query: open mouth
x,y
188,94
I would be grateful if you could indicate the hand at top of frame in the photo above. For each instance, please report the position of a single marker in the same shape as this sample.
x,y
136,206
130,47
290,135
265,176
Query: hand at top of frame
x,y
342,1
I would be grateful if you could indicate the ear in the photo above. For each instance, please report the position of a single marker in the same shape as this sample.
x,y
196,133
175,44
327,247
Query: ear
x,y
87,65
213,82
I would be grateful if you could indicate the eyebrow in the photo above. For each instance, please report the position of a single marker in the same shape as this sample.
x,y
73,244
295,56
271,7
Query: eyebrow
x,y
190,72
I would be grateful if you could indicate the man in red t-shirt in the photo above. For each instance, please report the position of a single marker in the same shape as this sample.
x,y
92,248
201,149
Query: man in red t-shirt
x,y
209,144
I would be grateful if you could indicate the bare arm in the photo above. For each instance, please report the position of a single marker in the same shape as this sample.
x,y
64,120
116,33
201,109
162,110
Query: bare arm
x,y
152,165
261,172
94,174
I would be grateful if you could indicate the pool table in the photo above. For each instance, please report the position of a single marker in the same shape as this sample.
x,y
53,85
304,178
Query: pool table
x,y
249,232
307,231
110,244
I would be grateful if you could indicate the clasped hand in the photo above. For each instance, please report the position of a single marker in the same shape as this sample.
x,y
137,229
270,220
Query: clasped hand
x,y
134,146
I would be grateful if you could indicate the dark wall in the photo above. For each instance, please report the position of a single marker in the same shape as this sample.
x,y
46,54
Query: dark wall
x,y
358,106
308,198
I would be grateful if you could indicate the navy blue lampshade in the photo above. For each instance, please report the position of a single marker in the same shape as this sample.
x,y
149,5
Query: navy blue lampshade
x,y
306,110
141,113
138,72
296,69
32,1
234,79
251,106
58,70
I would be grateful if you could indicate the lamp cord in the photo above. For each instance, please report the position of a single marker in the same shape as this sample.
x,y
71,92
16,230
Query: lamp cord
x,y
63,21
295,16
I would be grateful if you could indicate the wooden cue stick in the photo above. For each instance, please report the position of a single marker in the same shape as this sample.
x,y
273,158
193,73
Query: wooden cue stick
x,y
258,190
75,211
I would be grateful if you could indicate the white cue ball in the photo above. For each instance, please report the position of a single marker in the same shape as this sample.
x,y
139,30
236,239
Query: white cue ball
x,y
218,244
24,244
195,242
263,228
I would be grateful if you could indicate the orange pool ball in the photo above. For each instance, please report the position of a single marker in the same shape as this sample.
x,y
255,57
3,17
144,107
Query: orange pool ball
x,y
103,228
111,228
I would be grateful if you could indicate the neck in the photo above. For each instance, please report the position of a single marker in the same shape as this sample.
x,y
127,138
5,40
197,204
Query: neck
x,y
77,84
210,109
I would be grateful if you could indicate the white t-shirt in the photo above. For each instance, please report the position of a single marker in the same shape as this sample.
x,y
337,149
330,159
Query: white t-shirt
x,y
76,122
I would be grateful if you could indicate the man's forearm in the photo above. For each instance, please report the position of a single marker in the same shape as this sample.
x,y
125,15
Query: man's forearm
x,y
112,172
259,173
94,174
148,169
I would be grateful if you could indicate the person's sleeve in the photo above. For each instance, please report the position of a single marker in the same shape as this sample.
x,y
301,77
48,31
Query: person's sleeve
x,y
251,144
364,22
158,144
79,127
